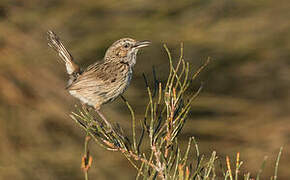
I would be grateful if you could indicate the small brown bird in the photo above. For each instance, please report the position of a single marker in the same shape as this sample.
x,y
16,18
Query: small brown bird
x,y
105,80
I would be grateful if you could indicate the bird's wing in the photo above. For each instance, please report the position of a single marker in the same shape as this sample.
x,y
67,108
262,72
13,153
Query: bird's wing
x,y
97,75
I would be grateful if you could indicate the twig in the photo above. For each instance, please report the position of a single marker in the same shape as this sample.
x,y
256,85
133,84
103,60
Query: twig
x,y
261,168
160,166
133,123
86,159
237,166
277,163
229,167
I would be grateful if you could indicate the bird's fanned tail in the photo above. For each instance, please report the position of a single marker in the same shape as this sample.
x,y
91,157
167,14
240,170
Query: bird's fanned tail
x,y
55,43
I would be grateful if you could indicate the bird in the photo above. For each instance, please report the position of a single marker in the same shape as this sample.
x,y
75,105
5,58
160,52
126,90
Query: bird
x,y
106,79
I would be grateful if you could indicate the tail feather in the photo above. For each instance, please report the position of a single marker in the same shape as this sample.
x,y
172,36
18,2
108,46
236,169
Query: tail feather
x,y
55,43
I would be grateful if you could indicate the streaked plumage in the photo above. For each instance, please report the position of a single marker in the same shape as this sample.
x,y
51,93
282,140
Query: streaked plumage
x,y
104,80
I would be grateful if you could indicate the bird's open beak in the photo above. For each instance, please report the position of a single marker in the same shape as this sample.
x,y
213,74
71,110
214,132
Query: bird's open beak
x,y
140,44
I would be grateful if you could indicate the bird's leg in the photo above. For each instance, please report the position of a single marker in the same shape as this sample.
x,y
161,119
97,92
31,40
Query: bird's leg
x,y
104,119
84,107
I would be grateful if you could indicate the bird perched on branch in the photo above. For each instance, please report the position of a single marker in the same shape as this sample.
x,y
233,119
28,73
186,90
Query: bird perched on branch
x,y
105,80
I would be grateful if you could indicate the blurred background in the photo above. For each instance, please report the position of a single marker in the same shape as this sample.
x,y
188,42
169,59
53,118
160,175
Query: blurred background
x,y
244,106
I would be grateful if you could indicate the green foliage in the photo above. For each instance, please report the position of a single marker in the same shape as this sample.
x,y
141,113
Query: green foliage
x,y
156,153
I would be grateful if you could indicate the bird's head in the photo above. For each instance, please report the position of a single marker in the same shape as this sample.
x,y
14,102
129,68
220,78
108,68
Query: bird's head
x,y
125,50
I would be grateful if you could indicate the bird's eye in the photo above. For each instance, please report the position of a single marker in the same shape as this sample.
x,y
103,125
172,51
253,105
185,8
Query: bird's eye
x,y
126,45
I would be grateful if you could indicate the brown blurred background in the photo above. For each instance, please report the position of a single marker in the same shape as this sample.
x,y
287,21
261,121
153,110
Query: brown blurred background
x,y
244,106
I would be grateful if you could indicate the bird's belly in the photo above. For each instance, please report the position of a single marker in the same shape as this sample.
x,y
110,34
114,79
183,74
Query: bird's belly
x,y
88,98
